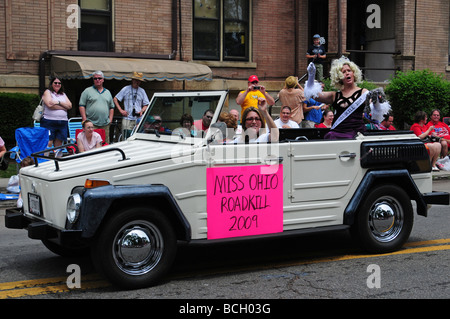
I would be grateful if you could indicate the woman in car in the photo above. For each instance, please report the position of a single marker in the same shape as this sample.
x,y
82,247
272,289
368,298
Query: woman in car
x,y
258,125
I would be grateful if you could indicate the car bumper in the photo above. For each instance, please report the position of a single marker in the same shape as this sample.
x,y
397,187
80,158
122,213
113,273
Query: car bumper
x,y
438,198
37,229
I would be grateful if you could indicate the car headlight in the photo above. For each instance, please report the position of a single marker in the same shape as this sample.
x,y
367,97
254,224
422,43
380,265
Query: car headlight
x,y
73,207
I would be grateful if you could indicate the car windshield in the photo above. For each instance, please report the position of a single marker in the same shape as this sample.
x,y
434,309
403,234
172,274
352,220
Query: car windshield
x,y
181,115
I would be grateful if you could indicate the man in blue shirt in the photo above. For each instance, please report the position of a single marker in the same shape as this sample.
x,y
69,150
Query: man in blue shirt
x,y
317,54
313,111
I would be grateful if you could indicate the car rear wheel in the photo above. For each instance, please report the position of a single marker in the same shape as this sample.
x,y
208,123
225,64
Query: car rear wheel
x,y
385,219
135,248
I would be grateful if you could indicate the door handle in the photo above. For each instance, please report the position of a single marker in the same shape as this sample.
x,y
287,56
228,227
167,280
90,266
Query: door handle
x,y
271,159
348,155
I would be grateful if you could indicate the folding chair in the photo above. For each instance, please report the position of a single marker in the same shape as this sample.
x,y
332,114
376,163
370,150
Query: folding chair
x,y
30,140
74,125
446,120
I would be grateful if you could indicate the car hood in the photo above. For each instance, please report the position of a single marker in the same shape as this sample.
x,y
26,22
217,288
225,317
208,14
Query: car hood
x,y
136,152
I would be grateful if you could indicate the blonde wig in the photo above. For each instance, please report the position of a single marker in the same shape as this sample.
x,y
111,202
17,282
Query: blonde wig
x,y
336,75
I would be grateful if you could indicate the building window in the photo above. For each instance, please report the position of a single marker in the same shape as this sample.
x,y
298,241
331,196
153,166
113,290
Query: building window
x,y
95,33
221,30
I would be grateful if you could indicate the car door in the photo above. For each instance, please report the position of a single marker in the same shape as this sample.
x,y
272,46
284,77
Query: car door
x,y
323,170
322,178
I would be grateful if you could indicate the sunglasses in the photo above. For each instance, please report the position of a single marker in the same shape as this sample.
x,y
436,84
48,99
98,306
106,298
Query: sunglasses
x,y
57,83
98,79
251,119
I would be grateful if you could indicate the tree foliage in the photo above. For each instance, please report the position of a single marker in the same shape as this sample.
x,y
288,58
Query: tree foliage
x,y
412,91
16,110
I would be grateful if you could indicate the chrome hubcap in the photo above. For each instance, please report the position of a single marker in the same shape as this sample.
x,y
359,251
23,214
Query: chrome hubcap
x,y
386,219
138,247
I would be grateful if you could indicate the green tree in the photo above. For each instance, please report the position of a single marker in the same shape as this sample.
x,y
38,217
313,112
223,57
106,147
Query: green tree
x,y
16,110
412,91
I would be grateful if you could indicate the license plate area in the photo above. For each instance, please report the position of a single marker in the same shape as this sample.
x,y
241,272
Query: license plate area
x,y
34,204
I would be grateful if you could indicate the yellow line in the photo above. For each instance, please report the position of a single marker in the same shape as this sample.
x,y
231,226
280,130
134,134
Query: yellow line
x,y
428,242
31,283
16,293
35,291
400,252
47,285
332,259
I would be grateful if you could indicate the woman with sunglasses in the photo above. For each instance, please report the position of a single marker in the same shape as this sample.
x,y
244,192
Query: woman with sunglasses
x,y
56,105
254,126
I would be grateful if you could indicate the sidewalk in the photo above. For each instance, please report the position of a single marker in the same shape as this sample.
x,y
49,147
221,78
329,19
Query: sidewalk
x,y
5,203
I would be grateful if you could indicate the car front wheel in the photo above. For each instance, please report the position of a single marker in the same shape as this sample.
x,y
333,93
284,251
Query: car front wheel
x,y
135,248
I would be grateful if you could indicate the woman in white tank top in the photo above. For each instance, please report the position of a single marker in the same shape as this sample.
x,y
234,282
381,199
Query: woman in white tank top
x,y
56,105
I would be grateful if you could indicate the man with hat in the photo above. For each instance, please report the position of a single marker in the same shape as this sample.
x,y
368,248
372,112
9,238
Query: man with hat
x,y
135,102
316,54
250,96
96,104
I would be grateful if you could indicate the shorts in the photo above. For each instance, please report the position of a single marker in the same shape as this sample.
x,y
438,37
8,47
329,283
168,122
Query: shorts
x,y
128,124
58,129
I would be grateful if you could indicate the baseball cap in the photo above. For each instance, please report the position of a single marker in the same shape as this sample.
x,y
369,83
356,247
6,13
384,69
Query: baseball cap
x,y
316,36
253,78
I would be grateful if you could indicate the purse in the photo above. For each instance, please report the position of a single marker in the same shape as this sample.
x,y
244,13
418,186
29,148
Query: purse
x,y
431,139
4,163
38,112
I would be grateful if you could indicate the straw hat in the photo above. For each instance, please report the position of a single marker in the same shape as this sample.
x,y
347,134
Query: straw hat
x,y
137,76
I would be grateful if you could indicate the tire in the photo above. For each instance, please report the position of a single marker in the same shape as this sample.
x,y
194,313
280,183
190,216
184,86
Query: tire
x,y
385,219
135,248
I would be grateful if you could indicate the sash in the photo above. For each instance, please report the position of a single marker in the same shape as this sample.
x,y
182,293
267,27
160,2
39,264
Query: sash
x,y
350,109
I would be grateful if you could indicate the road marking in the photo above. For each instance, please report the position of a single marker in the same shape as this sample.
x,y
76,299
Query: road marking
x,y
330,259
400,252
44,286
427,242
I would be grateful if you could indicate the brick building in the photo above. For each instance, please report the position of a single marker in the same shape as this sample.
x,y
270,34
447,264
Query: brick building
x,y
234,39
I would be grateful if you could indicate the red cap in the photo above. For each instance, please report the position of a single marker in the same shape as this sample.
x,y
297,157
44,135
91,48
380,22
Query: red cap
x,y
253,78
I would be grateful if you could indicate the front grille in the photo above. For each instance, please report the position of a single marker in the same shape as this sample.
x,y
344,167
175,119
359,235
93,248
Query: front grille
x,y
410,154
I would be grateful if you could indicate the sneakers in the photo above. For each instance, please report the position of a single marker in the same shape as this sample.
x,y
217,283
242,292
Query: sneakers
x,y
435,169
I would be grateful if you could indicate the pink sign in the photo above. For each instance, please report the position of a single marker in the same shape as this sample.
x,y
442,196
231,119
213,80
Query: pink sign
x,y
244,200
